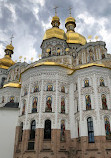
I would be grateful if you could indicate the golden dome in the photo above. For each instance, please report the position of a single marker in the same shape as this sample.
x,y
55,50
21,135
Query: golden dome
x,y
54,32
70,19
55,18
6,62
74,37
10,47
71,35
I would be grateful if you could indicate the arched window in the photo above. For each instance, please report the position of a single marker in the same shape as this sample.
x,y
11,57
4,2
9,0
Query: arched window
x,y
78,128
21,132
102,83
49,87
63,89
90,130
86,83
88,102
103,55
36,88
48,50
24,105
58,51
32,130
12,99
107,128
34,106
62,134
48,104
47,130
2,99
104,102
63,105
25,92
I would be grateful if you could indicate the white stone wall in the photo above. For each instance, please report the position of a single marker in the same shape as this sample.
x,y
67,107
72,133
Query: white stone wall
x,y
8,122
95,91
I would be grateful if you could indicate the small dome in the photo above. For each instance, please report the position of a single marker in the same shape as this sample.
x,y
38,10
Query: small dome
x,y
6,61
10,47
70,19
55,18
74,37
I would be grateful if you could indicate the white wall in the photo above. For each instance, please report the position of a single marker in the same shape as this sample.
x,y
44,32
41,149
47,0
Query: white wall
x,y
8,121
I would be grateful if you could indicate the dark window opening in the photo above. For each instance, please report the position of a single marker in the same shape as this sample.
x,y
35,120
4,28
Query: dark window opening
x,y
32,131
47,130
21,132
90,130
31,145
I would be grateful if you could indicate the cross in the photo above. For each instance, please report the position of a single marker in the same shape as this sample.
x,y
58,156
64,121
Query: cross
x,y
70,11
11,38
55,10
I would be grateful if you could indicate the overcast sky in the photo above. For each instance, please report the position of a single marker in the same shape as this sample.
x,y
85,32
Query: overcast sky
x,y
27,20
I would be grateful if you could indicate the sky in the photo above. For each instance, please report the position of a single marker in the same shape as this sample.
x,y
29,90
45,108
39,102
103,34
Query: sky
x,y
28,20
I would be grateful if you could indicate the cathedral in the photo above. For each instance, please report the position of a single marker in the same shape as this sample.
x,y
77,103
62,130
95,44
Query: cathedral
x,y
60,105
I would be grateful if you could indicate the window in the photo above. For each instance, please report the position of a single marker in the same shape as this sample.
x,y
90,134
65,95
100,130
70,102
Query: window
x,y
24,105
58,51
2,82
21,132
103,55
104,102
25,92
86,83
2,99
48,104
107,128
90,130
62,134
63,105
34,106
12,99
102,83
47,130
88,102
32,131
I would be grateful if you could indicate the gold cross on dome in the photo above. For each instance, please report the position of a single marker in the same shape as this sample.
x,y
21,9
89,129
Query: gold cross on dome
x,y
11,38
70,11
55,8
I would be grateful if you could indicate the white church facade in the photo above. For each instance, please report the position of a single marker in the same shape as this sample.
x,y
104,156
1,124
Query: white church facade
x,y
60,105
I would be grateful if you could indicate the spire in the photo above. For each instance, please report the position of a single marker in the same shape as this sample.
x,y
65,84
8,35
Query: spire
x,y
11,39
55,20
70,12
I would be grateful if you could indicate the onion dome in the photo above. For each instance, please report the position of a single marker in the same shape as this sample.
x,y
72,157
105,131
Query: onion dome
x,y
6,62
55,31
71,35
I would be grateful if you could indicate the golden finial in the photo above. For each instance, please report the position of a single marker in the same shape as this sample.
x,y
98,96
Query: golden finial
x,y
11,39
55,8
90,37
24,58
32,59
96,38
70,11
15,61
39,55
20,57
